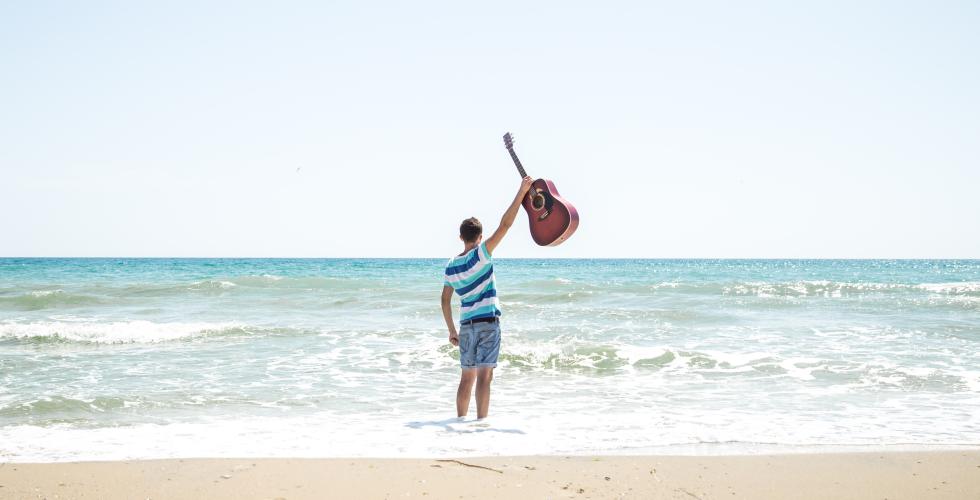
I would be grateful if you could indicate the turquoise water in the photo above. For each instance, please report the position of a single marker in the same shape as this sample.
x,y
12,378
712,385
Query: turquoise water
x,y
136,358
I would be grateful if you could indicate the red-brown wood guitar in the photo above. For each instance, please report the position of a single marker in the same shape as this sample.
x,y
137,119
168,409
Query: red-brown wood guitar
x,y
553,219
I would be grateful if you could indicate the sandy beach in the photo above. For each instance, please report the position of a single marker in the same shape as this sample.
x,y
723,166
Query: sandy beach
x,y
891,475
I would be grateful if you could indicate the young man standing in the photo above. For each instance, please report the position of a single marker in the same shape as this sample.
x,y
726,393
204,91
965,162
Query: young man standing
x,y
470,274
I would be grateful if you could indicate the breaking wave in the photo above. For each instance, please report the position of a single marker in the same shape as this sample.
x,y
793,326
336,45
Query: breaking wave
x,y
116,332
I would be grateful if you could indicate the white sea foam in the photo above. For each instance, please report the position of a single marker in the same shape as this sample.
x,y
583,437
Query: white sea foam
x,y
794,369
136,331
952,288
507,432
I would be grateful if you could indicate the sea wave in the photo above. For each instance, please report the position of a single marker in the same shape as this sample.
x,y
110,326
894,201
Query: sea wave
x,y
34,300
967,288
957,292
212,285
832,373
610,358
46,409
115,332
228,284
558,290
540,293
815,288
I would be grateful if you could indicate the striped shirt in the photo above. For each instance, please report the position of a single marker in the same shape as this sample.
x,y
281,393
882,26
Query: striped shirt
x,y
471,275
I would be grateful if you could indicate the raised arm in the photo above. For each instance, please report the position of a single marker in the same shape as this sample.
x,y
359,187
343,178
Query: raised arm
x,y
508,219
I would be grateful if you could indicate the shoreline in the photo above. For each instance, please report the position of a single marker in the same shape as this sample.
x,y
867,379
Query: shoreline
x,y
879,474
705,450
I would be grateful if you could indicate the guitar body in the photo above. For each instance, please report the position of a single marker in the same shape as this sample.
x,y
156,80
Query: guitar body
x,y
552,218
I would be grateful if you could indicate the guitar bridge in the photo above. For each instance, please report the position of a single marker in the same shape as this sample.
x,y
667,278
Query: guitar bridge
x,y
544,215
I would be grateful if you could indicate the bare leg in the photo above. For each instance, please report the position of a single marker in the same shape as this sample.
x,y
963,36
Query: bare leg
x,y
483,378
465,390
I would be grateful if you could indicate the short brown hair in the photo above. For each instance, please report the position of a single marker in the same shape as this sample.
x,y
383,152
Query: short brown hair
x,y
470,230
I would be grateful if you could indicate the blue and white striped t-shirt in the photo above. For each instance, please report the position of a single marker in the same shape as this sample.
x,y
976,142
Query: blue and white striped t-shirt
x,y
471,275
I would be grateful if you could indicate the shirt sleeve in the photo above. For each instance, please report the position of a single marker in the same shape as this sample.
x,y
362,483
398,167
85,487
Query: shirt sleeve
x,y
484,250
445,276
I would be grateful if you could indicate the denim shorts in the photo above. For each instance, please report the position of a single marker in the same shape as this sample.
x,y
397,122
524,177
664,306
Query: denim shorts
x,y
479,344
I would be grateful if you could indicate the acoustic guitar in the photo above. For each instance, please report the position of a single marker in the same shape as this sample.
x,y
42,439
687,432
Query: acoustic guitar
x,y
553,219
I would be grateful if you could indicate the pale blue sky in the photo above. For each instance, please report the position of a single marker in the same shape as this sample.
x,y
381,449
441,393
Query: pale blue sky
x,y
679,129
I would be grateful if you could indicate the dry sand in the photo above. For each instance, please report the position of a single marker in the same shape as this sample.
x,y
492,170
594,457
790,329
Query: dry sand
x,y
891,475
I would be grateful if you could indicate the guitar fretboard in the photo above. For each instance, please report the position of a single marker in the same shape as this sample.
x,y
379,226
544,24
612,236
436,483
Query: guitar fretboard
x,y
517,161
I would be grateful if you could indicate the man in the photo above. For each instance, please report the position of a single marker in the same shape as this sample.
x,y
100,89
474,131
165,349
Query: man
x,y
470,274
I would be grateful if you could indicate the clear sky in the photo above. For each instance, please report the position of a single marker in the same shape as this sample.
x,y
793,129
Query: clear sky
x,y
678,129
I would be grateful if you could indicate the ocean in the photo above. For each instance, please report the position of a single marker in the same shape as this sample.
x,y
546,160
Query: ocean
x,y
154,358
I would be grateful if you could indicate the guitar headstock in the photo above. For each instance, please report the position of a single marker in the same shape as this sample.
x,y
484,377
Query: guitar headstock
x,y
508,141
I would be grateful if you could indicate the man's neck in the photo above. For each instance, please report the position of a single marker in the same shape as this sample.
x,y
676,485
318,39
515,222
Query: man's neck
x,y
469,246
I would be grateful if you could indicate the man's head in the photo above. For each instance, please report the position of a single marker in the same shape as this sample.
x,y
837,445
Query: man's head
x,y
470,230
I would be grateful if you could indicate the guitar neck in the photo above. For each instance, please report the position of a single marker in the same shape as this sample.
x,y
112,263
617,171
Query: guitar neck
x,y
517,162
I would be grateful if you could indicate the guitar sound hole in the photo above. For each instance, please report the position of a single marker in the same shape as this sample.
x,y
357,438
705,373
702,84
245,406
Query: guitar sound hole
x,y
538,201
